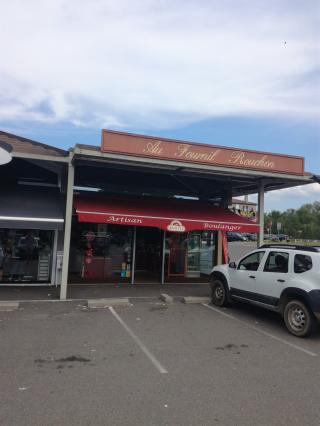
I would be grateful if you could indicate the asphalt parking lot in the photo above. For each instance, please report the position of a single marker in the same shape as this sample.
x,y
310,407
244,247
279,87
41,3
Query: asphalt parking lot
x,y
154,364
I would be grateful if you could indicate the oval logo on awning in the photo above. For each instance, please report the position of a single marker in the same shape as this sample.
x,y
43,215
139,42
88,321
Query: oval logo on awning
x,y
176,226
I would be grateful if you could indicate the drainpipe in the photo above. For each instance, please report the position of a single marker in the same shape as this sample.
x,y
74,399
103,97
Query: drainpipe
x,y
67,230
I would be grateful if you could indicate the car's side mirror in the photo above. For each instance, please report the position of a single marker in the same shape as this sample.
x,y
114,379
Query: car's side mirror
x,y
232,265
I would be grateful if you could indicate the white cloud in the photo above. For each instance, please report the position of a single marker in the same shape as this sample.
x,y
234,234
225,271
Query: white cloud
x,y
292,197
157,63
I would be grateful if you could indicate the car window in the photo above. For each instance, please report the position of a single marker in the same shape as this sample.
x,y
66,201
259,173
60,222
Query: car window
x,y
277,262
302,263
251,262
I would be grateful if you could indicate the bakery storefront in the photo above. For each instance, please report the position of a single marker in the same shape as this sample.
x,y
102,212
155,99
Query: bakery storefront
x,y
150,210
146,240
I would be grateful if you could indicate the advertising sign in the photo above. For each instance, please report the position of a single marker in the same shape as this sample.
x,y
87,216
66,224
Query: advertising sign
x,y
167,149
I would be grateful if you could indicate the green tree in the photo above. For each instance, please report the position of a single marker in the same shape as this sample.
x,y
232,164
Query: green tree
x,y
300,223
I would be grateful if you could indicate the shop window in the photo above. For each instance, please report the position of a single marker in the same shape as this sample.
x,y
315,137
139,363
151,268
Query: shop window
x,y
193,261
101,252
190,255
25,255
201,253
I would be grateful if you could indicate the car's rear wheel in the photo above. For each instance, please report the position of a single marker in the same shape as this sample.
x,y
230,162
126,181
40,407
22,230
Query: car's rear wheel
x,y
219,293
298,318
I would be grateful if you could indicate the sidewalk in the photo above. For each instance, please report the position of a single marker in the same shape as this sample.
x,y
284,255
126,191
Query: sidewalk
x,y
97,291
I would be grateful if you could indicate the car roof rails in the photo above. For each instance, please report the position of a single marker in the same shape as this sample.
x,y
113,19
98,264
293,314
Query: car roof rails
x,y
314,249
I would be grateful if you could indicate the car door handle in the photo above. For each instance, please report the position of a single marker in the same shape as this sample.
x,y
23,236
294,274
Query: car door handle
x,y
252,276
281,281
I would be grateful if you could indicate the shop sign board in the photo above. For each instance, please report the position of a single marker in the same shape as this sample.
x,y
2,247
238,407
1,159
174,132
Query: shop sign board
x,y
168,149
176,226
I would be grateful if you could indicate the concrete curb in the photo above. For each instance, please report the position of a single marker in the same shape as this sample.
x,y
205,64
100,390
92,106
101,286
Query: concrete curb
x,y
166,298
192,299
106,303
9,306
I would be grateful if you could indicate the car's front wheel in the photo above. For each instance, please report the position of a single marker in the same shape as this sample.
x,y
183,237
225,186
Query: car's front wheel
x,y
298,318
219,293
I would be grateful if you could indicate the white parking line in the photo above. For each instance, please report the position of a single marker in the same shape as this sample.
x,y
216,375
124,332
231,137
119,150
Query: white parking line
x,y
144,349
258,330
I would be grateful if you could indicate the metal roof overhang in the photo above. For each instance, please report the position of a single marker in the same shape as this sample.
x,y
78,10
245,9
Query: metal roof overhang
x,y
239,181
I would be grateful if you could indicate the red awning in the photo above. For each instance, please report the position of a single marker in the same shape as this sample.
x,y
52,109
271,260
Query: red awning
x,y
169,215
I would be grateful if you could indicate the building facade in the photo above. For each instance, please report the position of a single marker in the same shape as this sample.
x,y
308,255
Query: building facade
x,y
134,209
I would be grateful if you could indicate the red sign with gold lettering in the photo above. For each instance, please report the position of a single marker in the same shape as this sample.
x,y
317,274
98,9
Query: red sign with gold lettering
x,y
168,149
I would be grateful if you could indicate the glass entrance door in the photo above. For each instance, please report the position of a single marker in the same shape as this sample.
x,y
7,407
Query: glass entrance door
x,y
148,258
176,250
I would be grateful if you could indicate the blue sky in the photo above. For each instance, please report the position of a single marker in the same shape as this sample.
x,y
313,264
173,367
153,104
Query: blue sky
x,y
238,73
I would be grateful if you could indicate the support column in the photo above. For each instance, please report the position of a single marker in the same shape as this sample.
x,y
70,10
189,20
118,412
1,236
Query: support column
x,y
134,254
261,213
67,231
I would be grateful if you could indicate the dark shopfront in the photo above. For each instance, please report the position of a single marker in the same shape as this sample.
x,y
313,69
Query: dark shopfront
x,y
32,209
30,220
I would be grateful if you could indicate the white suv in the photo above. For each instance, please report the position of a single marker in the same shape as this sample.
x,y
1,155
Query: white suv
x,y
279,277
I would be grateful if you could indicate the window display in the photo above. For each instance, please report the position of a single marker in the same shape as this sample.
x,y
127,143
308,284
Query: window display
x,y
207,251
25,255
101,252
190,255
